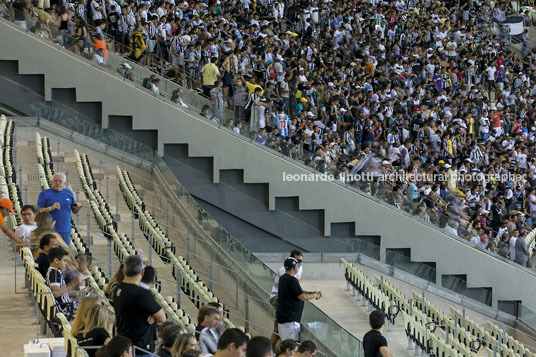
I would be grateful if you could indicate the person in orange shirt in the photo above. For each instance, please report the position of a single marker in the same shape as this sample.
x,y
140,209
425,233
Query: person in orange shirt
x,y
369,67
6,207
496,120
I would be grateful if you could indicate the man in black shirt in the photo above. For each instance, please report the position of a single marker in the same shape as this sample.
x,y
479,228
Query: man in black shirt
x,y
374,344
135,307
290,301
47,241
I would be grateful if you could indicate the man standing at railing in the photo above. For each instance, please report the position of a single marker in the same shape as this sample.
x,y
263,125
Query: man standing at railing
x,y
290,301
60,202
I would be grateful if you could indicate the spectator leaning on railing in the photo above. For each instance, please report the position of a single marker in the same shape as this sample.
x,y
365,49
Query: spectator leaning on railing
x,y
290,301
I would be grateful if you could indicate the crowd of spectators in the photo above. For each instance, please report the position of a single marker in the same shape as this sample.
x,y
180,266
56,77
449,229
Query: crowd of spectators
x,y
388,89
137,321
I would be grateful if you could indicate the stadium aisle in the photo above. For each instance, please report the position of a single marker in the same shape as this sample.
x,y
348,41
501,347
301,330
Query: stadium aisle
x,y
342,307
18,320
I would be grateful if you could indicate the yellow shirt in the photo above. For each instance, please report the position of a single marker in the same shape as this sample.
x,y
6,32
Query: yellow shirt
x,y
251,88
210,74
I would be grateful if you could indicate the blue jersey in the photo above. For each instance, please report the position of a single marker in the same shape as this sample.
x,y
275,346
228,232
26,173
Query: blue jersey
x,y
62,216
282,122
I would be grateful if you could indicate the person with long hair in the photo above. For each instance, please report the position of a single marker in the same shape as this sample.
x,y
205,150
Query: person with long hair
x,y
97,330
86,304
184,342
286,348
117,279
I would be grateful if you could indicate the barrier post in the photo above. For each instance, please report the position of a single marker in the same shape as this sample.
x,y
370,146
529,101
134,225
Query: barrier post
x,y
150,249
132,227
167,223
77,216
89,229
107,188
178,281
210,273
463,315
246,312
152,202
455,325
110,272
422,302
117,205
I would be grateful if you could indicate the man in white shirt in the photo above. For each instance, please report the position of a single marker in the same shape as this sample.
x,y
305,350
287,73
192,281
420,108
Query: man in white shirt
x,y
28,223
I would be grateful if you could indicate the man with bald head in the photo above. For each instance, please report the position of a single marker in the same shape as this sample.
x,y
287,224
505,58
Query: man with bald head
x,y
59,201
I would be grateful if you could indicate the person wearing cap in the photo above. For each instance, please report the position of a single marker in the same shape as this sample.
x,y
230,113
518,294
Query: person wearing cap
x,y
6,207
290,301
59,201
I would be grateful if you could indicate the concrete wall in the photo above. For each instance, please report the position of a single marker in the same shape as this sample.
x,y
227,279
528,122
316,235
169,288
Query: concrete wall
x,y
341,204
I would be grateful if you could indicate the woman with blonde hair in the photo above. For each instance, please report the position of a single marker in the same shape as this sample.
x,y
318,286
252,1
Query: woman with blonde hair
x,y
117,279
184,342
83,309
97,328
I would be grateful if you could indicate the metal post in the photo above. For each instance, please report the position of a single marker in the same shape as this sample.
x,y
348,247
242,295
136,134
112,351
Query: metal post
x,y
117,203
447,332
410,302
500,344
455,325
78,215
381,284
167,224
188,245
494,348
107,188
210,274
142,187
463,314
110,272
150,249
246,312
89,229
152,202
20,176
353,291
59,165
348,287
236,280
178,278
101,172
132,229
25,190
422,302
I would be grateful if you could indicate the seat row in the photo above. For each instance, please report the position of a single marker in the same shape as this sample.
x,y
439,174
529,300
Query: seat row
x,y
97,283
461,331
122,245
191,284
8,179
